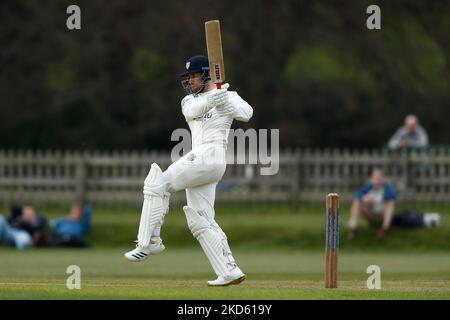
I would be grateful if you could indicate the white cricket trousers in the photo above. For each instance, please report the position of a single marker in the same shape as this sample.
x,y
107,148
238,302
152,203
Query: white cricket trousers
x,y
198,172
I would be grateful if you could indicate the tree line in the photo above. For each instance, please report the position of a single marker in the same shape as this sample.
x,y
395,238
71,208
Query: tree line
x,y
309,68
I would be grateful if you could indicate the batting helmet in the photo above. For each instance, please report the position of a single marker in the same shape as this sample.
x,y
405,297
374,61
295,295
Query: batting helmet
x,y
196,64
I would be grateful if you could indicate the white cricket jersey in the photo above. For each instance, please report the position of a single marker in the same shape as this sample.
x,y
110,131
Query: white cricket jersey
x,y
378,196
209,125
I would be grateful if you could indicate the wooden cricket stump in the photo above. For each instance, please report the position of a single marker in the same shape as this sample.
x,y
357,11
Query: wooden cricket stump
x,y
332,240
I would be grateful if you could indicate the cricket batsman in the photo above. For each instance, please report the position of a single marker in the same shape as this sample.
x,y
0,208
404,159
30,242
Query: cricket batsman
x,y
209,112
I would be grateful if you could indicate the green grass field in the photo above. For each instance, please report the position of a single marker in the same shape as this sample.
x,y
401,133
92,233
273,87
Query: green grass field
x,y
182,274
281,251
264,226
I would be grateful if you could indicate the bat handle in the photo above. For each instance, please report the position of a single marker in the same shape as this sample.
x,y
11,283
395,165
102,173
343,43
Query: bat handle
x,y
219,85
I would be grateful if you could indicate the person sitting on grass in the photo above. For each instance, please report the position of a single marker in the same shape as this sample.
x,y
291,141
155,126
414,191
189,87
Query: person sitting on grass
x,y
13,236
69,232
375,201
25,228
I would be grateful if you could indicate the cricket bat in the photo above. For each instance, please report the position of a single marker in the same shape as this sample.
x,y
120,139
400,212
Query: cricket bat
x,y
215,55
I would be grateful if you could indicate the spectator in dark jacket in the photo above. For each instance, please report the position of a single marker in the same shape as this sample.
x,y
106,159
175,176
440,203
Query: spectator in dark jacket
x,y
24,228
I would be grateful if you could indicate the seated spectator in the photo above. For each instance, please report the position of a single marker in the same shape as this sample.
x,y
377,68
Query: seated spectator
x,y
25,228
375,201
69,232
410,136
12,236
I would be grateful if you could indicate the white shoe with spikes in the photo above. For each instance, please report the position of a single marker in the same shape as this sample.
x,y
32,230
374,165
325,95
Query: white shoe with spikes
x,y
235,277
142,253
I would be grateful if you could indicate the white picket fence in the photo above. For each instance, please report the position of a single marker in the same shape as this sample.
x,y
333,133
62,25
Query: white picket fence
x,y
305,175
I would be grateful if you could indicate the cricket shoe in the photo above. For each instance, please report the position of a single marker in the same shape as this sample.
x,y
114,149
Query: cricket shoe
x,y
236,276
142,253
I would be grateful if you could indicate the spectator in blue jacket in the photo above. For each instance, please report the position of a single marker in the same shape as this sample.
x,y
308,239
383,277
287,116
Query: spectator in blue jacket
x,y
375,201
69,232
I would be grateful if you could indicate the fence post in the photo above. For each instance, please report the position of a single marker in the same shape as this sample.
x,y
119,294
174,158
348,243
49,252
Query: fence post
x,y
80,178
405,160
295,165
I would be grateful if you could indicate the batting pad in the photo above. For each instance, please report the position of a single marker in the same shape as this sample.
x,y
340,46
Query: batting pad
x,y
210,240
154,206
223,237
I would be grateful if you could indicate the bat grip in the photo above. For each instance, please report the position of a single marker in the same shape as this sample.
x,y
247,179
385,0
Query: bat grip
x,y
219,85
